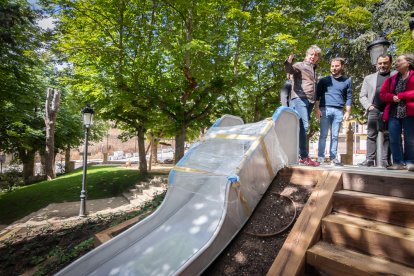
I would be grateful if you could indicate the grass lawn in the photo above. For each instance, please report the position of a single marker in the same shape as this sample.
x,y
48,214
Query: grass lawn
x,y
101,182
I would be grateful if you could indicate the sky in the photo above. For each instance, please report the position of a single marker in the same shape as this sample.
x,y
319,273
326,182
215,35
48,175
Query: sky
x,y
45,23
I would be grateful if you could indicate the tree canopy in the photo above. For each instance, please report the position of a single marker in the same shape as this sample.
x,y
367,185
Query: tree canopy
x,y
173,67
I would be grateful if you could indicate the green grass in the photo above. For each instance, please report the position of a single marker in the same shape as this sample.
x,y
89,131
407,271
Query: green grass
x,y
101,182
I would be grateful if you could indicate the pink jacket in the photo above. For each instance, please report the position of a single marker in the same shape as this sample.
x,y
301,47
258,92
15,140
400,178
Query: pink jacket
x,y
387,93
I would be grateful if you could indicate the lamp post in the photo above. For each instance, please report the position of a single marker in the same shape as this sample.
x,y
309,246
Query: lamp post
x,y
377,48
87,116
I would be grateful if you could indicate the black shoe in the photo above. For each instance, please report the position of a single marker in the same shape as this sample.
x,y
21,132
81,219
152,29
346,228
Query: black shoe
x,y
367,163
384,164
397,167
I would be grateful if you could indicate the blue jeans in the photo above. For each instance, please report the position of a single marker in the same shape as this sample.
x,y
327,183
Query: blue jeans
x,y
304,108
331,119
402,153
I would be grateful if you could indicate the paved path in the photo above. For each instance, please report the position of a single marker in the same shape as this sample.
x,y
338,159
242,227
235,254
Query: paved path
x,y
70,210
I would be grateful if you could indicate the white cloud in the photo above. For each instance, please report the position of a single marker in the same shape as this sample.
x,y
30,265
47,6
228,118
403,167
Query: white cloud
x,y
46,23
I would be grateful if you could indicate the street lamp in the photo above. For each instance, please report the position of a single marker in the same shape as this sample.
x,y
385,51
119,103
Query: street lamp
x,y
377,48
87,116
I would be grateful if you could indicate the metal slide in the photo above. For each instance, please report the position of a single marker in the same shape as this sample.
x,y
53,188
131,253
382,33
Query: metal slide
x,y
213,190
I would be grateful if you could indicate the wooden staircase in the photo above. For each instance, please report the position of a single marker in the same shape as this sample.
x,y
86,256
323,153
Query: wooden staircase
x,y
356,222
370,230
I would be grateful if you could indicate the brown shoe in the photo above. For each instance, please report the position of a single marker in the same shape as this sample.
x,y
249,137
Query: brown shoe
x,y
396,167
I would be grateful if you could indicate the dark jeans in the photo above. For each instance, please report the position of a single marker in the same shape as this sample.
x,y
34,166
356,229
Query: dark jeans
x,y
304,108
284,97
402,153
372,130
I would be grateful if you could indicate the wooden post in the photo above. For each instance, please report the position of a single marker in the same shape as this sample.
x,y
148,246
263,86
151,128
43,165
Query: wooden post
x,y
348,158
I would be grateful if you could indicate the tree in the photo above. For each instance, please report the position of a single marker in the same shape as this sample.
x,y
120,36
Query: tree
x,y
51,109
22,84
109,67
178,64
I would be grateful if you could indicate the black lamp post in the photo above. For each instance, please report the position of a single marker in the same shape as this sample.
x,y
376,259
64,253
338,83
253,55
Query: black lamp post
x,y
377,48
87,115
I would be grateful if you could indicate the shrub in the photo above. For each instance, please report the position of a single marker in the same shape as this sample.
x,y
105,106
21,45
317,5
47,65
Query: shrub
x,y
12,178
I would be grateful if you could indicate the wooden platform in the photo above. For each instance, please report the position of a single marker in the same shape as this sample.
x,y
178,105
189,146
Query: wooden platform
x,y
354,215
341,261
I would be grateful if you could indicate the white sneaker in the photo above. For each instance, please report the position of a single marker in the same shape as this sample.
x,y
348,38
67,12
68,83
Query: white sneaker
x,y
336,162
321,160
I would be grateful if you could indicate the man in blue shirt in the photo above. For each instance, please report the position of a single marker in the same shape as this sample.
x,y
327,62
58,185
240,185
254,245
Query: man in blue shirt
x,y
334,93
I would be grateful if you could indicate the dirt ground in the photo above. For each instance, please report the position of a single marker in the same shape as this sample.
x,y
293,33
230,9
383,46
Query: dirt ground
x,y
44,250
254,249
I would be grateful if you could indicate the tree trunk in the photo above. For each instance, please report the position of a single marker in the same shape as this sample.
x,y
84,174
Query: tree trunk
x,y
141,150
28,169
28,160
179,144
154,150
67,159
42,164
52,106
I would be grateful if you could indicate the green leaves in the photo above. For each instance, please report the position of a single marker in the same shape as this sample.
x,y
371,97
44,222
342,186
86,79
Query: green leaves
x,y
179,63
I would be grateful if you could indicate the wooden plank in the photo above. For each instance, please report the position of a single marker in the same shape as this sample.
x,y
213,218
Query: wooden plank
x,y
291,258
370,237
301,175
333,260
111,232
386,209
381,184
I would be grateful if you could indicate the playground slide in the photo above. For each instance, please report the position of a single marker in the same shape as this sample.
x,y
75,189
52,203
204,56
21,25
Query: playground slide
x,y
213,190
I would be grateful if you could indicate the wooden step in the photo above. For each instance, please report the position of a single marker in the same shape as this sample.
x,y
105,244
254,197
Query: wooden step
x,y
370,237
388,183
306,176
394,210
335,260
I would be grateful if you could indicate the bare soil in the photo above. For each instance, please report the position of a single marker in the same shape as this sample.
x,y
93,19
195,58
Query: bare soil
x,y
254,249
47,249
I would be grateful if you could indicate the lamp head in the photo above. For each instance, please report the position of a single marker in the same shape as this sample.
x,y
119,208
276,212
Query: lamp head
x,y
377,48
87,115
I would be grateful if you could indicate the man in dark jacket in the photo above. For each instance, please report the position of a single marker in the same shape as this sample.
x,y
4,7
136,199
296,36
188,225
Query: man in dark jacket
x,y
370,100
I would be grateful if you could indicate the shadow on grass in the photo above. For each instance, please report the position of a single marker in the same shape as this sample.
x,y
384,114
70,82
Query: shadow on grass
x,y
101,182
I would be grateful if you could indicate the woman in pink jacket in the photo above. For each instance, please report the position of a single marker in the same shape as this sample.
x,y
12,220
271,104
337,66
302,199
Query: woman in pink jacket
x,y
398,93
